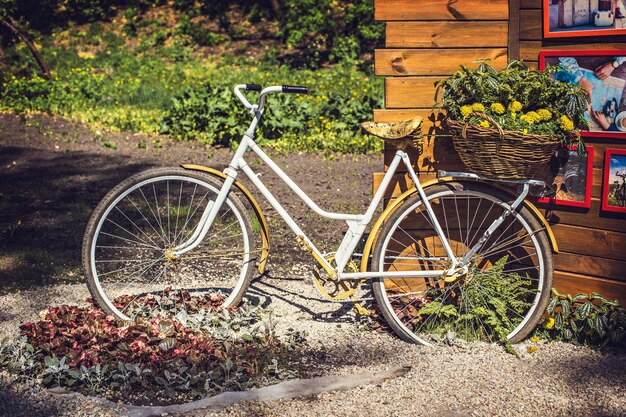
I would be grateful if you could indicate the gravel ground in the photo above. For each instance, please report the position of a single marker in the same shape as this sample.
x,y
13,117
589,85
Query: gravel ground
x,y
478,379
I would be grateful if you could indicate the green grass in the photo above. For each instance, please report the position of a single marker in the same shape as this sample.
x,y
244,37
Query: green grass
x,y
117,88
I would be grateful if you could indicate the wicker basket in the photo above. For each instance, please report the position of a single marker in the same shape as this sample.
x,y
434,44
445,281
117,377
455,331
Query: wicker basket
x,y
496,153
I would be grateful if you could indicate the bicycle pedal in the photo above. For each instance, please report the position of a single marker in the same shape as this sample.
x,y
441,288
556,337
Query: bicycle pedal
x,y
362,310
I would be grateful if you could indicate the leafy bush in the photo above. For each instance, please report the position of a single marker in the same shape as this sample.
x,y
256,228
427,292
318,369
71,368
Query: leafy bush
x,y
178,348
588,319
327,119
328,30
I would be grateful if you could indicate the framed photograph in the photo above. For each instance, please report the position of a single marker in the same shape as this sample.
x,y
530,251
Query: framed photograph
x,y
613,183
577,18
602,74
571,178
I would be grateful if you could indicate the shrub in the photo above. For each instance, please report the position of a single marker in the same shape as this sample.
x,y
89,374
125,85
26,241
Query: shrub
x,y
588,319
178,348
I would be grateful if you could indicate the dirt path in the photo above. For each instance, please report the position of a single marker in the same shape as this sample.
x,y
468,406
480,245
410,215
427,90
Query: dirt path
x,y
53,173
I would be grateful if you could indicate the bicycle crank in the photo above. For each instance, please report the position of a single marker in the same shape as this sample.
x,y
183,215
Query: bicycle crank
x,y
330,287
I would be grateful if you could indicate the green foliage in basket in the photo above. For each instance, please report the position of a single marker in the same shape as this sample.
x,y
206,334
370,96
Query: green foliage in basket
x,y
517,98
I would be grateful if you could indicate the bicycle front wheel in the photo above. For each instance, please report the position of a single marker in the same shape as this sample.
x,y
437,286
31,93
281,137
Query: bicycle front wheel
x,y
131,237
504,290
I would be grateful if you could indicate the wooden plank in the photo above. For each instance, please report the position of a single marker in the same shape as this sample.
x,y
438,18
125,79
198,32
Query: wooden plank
x,y
530,25
529,50
593,218
399,184
437,153
530,4
405,62
591,242
591,265
532,64
514,29
410,92
600,148
567,282
441,10
446,34
432,118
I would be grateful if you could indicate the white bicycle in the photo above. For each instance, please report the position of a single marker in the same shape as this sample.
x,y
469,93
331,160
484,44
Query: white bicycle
x,y
457,256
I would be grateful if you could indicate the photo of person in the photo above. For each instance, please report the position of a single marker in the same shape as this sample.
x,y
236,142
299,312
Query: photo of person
x,y
568,18
602,76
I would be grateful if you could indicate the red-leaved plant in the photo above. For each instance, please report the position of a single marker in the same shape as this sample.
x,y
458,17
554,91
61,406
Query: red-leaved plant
x,y
156,353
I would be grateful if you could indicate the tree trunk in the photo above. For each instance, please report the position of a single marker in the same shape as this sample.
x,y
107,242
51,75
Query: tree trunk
x,y
276,8
14,27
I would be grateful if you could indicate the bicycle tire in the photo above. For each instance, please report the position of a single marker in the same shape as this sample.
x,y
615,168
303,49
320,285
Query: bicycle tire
x,y
506,284
126,242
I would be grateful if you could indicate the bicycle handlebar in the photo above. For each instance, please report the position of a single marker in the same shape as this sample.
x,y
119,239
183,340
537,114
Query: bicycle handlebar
x,y
295,89
292,89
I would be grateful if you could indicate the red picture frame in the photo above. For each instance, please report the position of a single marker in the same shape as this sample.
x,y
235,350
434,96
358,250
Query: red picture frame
x,y
590,60
614,190
569,176
584,23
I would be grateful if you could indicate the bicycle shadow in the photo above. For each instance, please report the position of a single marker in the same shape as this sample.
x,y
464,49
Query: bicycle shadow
x,y
262,291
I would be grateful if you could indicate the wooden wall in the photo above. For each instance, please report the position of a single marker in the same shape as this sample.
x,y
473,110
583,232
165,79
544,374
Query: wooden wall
x,y
427,40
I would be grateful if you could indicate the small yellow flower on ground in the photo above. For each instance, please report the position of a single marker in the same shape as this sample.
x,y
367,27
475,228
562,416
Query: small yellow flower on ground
x,y
497,108
548,323
478,107
515,106
485,123
566,123
466,111
532,349
534,339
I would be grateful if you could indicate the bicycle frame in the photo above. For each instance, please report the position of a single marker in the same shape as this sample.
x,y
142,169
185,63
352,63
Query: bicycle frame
x,y
356,223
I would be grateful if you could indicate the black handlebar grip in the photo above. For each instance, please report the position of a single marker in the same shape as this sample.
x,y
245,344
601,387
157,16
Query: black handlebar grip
x,y
253,87
295,89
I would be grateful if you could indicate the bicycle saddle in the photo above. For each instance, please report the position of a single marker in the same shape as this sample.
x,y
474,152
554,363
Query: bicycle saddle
x,y
407,133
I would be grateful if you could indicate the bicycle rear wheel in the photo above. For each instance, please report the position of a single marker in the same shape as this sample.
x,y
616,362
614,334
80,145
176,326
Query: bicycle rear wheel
x,y
505,289
128,245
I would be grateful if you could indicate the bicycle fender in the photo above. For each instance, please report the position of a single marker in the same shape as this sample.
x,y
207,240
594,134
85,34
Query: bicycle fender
x,y
371,240
265,235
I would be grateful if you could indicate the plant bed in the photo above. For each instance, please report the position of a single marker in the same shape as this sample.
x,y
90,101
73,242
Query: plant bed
x,y
165,356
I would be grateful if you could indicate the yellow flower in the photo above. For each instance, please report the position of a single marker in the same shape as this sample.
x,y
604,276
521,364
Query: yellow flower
x,y
466,111
478,107
525,131
566,123
534,339
531,349
485,123
515,106
544,114
548,323
533,116
497,108
528,119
